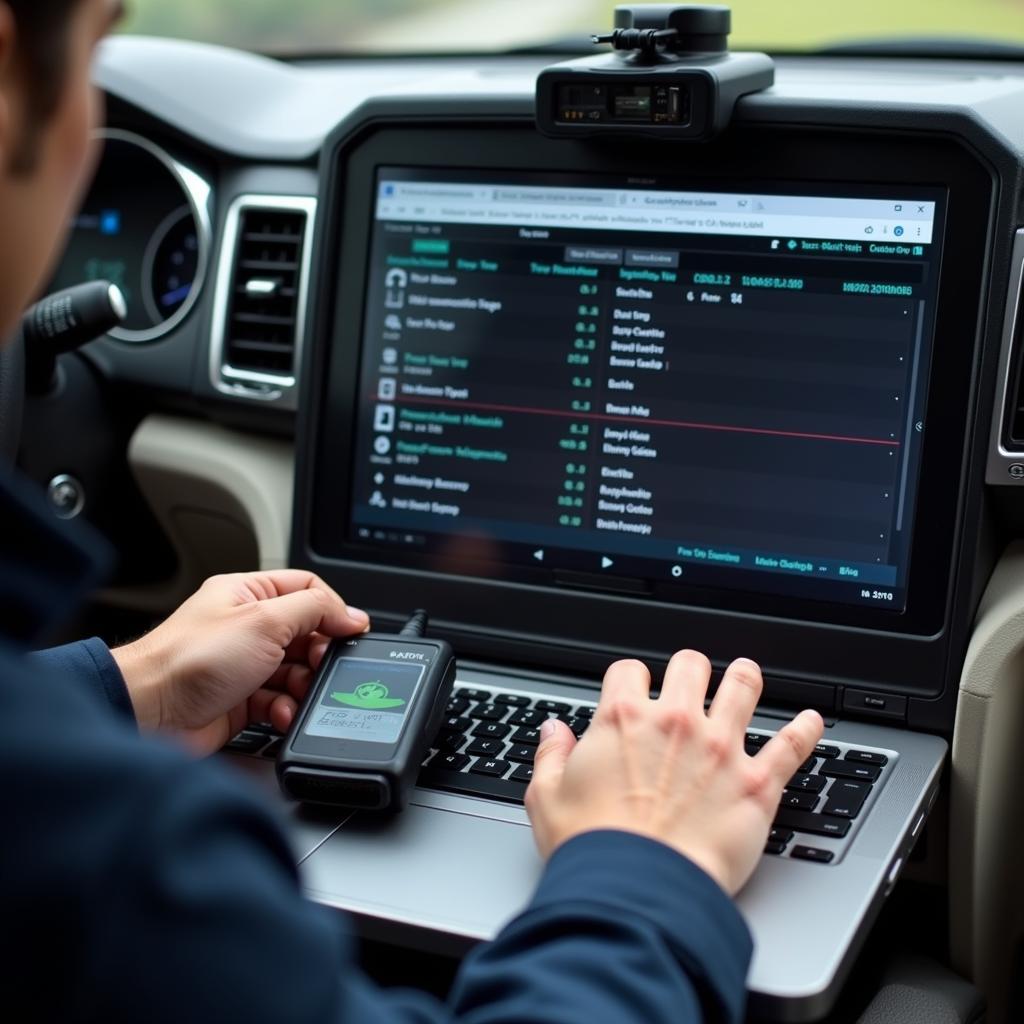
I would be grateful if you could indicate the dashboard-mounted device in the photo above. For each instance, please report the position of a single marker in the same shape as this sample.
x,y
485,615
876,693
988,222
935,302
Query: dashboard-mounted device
x,y
670,76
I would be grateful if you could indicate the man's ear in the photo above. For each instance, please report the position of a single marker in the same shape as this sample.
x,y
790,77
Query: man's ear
x,y
8,31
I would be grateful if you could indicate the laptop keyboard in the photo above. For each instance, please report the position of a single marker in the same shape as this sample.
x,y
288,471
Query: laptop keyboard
x,y
488,739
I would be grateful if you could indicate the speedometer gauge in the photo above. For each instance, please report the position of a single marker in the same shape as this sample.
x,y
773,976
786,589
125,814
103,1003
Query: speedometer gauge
x,y
145,226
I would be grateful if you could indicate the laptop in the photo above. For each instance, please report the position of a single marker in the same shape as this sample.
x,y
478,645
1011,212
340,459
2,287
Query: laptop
x,y
580,417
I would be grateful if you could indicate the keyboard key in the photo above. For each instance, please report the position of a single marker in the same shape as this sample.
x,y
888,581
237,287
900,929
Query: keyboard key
x,y
802,801
247,742
556,707
486,748
473,785
812,853
453,762
755,739
481,695
492,730
780,835
585,712
524,773
851,770
528,716
521,753
456,723
490,767
525,735
826,750
578,725
808,765
274,748
488,712
774,848
808,783
867,757
456,706
449,742
846,798
261,727
812,824
514,700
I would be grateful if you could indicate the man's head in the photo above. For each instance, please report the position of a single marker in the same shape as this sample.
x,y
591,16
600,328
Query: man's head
x,y
47,111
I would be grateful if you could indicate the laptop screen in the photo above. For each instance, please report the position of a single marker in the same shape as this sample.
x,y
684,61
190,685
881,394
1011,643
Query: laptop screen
x,y
614,381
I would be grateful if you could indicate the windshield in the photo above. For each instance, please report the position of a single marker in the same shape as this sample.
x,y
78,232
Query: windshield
x,y
445,26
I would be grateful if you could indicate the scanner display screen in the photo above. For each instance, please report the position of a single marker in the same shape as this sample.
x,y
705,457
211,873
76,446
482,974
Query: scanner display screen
x,y
599,379
364,699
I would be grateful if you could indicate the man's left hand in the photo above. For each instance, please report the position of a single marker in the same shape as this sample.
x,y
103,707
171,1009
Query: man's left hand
x,y
242,649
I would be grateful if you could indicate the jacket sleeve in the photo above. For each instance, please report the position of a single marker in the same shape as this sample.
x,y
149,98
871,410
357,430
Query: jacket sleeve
x,y
159,888
90,664
621,930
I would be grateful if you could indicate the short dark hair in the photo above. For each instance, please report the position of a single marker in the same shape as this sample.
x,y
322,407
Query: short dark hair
x,y
42,51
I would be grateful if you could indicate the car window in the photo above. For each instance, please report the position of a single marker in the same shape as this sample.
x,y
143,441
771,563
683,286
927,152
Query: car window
x,y
401,26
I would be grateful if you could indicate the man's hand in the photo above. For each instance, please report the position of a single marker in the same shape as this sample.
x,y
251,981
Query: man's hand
x,y
242,649
666,769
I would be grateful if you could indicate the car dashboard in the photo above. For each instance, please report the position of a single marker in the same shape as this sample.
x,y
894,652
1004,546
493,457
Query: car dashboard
x,y
296,240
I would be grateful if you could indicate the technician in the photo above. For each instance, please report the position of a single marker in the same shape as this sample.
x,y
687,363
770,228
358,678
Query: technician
x,y
140,882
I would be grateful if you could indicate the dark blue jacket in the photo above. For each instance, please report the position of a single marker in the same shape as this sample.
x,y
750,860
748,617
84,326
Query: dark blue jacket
x,y
139,885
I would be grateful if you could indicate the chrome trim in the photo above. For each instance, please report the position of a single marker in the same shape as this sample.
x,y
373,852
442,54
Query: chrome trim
x,y
197,193
1002,464
224,377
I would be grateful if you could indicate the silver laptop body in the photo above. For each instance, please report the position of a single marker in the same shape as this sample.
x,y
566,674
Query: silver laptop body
x,y
453,869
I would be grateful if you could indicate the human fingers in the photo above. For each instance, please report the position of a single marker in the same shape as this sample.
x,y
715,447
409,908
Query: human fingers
x,y
317,649
292,679
278,582
289,581
273,706
307,650
737,696
783,754
557,743
301,612
686,680
265,586
627,680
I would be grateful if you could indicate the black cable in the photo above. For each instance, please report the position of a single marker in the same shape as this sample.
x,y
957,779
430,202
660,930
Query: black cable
x,y
647,40
417,624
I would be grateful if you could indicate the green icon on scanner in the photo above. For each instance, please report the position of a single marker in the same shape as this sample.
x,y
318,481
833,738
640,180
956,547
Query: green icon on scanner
x,y
370,696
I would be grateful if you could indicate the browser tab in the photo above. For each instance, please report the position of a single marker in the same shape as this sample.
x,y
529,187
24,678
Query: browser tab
x,y
592,254
652,258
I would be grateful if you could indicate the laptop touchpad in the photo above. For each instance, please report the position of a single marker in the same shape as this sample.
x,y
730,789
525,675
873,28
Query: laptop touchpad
x,y
428,867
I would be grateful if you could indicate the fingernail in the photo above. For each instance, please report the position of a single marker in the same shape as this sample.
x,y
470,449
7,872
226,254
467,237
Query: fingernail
x,y
358,616
548,728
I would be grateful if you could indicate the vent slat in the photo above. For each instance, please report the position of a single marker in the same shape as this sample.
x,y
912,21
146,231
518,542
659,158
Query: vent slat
x,y
261,328
263,318
266,236
263,346
289,265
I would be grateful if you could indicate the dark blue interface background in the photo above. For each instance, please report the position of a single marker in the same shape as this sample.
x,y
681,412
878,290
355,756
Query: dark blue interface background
x,y
705,409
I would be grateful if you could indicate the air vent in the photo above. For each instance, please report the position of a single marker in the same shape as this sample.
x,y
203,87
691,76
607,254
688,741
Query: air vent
x,y
260,333
262,285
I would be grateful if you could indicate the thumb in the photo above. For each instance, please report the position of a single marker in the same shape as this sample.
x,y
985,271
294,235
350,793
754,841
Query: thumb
x,y
556,744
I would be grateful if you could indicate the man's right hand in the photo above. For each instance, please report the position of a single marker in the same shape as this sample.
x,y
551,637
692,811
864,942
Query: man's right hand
x,y
667,770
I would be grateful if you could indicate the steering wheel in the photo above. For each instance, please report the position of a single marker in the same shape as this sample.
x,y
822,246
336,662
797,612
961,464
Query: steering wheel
x,y
12,398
